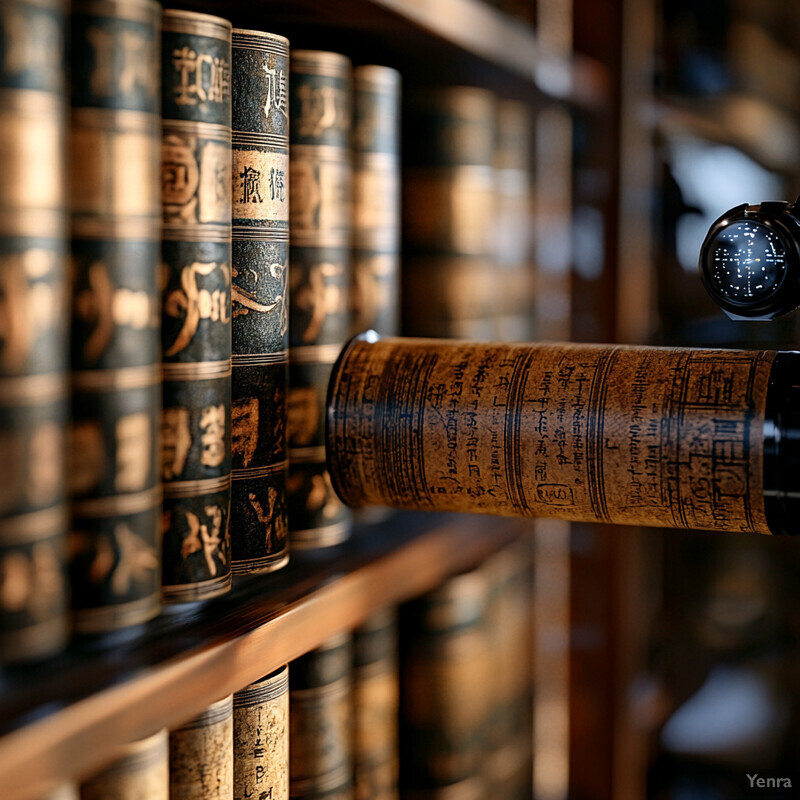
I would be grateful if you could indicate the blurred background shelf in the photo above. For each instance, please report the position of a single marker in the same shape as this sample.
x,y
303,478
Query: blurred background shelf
x,y
431,41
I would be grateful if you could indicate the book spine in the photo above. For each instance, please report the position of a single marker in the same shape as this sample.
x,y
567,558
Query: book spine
x,y
115,201
196,305
512,223
376,701
320,256
449,285
446,683
33,332
321,717
261,738
201,755
508,763
260,251
376,200
652,436
140,771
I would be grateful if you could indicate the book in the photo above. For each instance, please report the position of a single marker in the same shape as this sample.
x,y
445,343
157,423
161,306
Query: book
x,y
320,270
508,764
512,242
449,283
201,755
321,719
140,770
115,201
376,298
261,738
260,251
34,358
196,305
447,680
376,700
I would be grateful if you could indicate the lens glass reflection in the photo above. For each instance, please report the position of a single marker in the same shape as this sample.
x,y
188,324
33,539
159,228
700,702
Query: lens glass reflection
x,y
747,262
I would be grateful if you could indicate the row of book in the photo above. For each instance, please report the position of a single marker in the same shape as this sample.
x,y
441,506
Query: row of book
x,y
163,399
431,700
147,402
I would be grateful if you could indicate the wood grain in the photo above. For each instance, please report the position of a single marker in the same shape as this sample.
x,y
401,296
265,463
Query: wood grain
x,y
69,715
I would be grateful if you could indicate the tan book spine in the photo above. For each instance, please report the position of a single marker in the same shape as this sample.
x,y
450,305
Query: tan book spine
x,y
599,433
196,305
376,702
447,684
261,738
34,358
201,755
139,772
115,200
320,253
508,765
321,714
260,314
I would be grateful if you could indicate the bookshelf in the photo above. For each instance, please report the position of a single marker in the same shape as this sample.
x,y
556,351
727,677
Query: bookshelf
x,y
65,717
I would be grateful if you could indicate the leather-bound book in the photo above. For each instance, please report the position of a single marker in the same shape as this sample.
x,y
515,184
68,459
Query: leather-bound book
x,y
196,305
376,699
139,771
201,755
260,245
321,722
376,200
449,283
115,201
321,156
34,359
261,738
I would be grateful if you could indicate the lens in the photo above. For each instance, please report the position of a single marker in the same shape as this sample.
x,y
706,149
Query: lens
x,y
747,262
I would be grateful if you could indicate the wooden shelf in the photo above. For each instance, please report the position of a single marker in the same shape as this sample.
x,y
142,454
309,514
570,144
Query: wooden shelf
x,y
64,718
429,41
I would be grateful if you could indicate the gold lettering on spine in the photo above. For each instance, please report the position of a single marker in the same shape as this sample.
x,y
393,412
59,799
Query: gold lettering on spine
x,y
30,305
176,439
322,108
114,149
27,47
33,331
194,304
204,537
123,62
261,183
203,78
320,297
260,194
31,582
196,308
245,302
276,95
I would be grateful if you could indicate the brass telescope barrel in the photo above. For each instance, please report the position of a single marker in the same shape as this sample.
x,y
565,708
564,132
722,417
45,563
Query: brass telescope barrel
x,y
669,437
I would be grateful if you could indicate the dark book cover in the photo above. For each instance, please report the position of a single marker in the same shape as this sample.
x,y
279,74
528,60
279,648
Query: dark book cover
x,y
196,305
